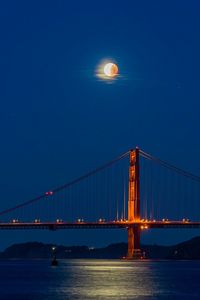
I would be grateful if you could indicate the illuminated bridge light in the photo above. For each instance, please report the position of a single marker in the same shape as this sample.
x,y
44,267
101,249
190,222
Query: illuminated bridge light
x,y
59,221
101,220
15,221
37,221
185,220
165,220
145,226
49,193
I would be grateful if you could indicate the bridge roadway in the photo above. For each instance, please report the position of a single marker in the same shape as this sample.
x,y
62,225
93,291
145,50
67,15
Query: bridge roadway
x,y
98,225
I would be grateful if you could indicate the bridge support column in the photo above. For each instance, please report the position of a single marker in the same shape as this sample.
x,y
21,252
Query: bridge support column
x,y
134,251
134,206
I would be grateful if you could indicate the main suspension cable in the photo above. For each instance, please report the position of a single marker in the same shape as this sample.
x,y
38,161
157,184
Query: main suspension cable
x,y
67,185
170,166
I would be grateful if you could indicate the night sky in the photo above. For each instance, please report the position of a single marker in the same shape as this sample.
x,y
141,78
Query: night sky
x,y
57,120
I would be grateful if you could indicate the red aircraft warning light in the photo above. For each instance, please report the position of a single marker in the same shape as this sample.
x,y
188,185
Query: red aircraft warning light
x,y
49,193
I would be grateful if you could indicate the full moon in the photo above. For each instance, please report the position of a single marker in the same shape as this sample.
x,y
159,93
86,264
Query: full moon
x,y
110,70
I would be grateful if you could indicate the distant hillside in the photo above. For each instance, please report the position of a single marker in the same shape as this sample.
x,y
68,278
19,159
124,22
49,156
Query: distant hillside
x,y
186,250
40,250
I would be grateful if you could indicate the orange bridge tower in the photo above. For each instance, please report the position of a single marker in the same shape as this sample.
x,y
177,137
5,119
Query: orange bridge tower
x,y
134,206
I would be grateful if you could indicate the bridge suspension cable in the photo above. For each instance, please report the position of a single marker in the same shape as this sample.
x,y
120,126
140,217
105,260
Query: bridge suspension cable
x,y
66,185
170,166
167,192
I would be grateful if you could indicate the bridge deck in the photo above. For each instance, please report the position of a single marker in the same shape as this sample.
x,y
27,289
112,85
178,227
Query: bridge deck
x,y
99,225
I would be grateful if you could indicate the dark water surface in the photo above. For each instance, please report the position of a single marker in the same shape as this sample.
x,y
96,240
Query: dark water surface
x,y
99,279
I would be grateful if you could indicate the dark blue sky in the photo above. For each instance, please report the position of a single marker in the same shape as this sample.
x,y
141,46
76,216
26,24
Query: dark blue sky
x,y
58,121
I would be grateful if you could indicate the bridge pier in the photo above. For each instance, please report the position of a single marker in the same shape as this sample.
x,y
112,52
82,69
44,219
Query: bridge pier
x,y
134,251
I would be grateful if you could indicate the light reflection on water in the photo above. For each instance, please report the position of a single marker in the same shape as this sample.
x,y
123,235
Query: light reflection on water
x,y
99,279
109,279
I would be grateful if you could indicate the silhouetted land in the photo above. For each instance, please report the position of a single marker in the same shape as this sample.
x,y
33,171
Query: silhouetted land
x,y
186,250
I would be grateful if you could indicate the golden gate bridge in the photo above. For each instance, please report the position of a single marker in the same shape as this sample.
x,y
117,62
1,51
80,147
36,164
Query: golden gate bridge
x,y
135,191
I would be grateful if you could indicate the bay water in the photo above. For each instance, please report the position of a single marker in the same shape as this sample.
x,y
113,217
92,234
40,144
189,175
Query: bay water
x,y
99,279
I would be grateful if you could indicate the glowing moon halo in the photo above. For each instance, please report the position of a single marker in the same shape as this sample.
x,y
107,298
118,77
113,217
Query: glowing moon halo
x,y
110,69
